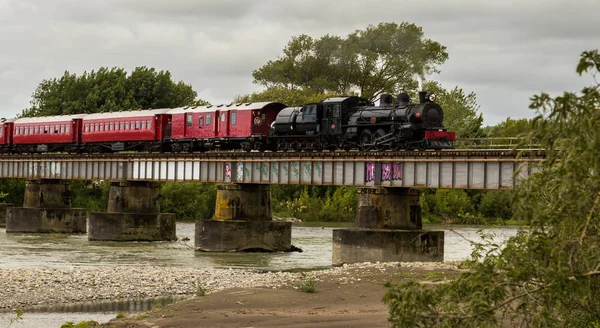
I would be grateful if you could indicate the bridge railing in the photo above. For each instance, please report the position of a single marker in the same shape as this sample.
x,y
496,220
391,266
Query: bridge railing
x,y
494,143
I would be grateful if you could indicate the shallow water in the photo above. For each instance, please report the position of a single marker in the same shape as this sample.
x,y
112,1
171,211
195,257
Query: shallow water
x,y
60,251
57,251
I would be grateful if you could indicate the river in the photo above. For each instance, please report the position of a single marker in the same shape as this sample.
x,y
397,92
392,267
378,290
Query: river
x,y
60,251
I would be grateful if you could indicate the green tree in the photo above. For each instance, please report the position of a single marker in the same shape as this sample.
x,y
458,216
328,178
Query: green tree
x,y
189,200
461,110
548,275
108,90
382,58
290,97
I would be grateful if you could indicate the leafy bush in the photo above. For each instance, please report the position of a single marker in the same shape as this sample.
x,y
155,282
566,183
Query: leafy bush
x,y
189,200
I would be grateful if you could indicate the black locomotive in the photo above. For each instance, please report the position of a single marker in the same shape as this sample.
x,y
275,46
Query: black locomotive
x,y
354,122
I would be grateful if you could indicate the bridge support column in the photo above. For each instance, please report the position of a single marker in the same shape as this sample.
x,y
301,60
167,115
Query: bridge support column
x,y
243,222
388,229
46,209
3,208
133,215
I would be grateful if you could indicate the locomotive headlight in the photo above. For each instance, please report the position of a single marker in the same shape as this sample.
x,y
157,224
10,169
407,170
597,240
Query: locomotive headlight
x,y
432,97
418,115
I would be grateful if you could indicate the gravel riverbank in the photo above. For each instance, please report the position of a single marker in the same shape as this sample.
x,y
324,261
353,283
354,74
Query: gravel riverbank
x,y
20,288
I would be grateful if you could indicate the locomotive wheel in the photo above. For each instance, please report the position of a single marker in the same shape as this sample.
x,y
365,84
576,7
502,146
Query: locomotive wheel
x,y
378,134
366,139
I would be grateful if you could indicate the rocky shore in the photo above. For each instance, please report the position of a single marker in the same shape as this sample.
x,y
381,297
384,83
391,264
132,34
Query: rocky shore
x,y
21,288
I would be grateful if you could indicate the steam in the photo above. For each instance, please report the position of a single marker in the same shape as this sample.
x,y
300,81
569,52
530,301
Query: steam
x,y
420,80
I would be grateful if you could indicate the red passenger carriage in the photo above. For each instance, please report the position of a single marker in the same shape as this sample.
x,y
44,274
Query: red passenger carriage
x,y
6,134
244,125
127,130
49,133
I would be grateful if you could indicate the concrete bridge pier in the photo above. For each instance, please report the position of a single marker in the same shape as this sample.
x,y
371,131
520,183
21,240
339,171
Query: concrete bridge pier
x,y
46,209
133,215
3,208
243,222
388,229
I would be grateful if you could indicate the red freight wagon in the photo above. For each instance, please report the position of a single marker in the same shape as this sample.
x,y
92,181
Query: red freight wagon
x,y
6,131
48,133
128,130
226,126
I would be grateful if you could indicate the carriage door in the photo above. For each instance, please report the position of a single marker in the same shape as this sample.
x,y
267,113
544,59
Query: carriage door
x,y
216,126
332,119
189,123
223,123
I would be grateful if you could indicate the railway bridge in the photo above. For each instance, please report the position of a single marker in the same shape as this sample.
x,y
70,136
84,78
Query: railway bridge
x,y
388,224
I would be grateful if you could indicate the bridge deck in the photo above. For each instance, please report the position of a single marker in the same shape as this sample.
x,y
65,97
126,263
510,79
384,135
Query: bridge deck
x,y
463,169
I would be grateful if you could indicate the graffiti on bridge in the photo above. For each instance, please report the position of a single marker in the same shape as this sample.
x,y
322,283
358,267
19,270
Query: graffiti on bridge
x,y
389,171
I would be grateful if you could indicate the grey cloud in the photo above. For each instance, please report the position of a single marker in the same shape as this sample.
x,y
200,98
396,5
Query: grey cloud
x,y
503,51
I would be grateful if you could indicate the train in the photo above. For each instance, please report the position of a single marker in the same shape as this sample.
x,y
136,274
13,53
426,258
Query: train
x,y
338,123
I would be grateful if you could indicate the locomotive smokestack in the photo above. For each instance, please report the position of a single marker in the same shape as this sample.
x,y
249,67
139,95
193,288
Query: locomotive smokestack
x,y
385,99
422,95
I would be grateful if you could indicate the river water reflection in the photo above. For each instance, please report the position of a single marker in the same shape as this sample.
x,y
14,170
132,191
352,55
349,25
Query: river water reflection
x,y
49,250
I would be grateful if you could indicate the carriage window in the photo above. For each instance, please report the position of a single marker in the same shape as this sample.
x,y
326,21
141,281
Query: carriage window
x,y
142,123
62,128
120,125
67,128
111,126
45,129
207,119
233,118
56,127
148,124
222,117
35,129
189,119
200,121
336,110
126,125
0,132
137,125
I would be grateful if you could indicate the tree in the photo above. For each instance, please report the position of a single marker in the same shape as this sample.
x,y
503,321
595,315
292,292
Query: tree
x,y
382,58
548,275
108,90
510,128
460,109
290,97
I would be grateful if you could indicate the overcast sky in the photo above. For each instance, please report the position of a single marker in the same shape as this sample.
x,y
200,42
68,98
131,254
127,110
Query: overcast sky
x,y
504,51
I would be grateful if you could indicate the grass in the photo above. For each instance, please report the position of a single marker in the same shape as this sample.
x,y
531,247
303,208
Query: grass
x,y
307,285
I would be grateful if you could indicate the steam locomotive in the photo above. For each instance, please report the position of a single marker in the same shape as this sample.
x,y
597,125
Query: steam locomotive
x,y
354,122
335,123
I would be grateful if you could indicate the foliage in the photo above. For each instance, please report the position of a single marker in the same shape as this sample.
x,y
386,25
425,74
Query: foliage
x,y
14,190
382,58
82,324
460,109
548,275
108,90
290,97
306,284
200,289
18,316
312,203
91,195
496,204
189,200
510,128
